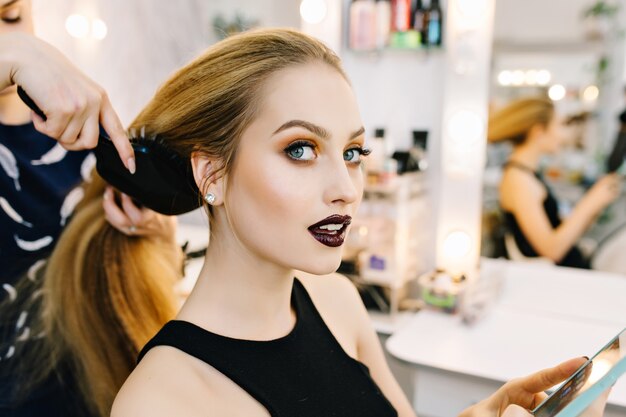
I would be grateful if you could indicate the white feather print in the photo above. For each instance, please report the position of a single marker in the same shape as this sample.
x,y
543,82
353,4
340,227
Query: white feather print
x,y
10,352
11,291
10,211
70,202
24,336
86,167
9,164
54,155
32,271
34,245
21,321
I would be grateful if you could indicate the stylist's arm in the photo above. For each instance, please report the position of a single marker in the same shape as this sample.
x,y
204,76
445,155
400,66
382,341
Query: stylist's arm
x,y
74,105
517,396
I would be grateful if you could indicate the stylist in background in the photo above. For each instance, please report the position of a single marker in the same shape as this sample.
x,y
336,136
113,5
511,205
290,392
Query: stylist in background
x,y
535,130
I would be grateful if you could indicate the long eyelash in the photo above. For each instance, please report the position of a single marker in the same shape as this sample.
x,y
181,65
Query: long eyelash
x,y
361,150
12,20
299,143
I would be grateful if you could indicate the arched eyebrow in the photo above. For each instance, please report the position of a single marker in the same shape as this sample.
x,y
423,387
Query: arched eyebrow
x,y
7,4
312,127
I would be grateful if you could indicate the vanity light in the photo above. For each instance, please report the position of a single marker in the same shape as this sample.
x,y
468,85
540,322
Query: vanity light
x,y
518,78
543,77
98,29
591,93
313,11
456,246
530,77
465,127
556,92
505,78
77,26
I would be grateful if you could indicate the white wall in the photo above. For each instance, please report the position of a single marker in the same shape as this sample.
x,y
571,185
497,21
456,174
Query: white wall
x,y
147,39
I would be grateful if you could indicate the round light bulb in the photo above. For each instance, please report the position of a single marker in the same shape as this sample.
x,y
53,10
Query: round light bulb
x,y
543,77
530,77
77,26
98,29
556,92
313,11
457,244
465,127
518,78
505,78
591,93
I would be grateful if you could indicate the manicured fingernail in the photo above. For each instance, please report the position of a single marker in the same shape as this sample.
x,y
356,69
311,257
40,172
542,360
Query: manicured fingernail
x,y
131,165
586,357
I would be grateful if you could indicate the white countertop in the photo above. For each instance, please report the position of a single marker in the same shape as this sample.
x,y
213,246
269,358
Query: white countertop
x,y
544,315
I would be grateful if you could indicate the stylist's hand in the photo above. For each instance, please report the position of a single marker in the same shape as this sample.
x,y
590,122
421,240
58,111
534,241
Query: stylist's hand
x,y
605,190
134,221
517,396
74,105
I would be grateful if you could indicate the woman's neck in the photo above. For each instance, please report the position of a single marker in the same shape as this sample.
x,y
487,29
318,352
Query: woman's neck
x,y
12,110
527,156
240,295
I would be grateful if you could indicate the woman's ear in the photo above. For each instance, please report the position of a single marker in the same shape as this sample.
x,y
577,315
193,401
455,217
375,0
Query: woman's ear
x,y
207,176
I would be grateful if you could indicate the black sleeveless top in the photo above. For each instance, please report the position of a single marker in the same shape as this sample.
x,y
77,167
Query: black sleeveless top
x,y
574,258
305,373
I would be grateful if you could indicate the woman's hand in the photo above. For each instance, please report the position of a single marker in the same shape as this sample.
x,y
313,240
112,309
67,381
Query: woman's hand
x,y
605,190
74,105
517,396
134,221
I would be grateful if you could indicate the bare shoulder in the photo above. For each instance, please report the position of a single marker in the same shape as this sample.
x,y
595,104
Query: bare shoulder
x,y
157,387
519,186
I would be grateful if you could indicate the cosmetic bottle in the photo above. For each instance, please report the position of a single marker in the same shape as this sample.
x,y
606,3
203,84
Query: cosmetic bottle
x,y
400,15
383,23
363,25
419,21
434,26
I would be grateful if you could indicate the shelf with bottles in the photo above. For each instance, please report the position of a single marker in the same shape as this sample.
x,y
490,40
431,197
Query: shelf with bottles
x,y
395,25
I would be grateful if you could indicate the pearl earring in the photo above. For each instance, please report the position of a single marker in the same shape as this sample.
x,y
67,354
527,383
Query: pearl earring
x,y
209,198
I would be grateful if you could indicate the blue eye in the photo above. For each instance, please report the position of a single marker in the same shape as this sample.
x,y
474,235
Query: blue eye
x,y
301,151
353,155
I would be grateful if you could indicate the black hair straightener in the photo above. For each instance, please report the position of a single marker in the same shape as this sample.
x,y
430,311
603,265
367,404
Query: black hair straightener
x,y
163,180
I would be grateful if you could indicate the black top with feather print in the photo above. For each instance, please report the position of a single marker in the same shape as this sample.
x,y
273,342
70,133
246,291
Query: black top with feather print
x,y
38,193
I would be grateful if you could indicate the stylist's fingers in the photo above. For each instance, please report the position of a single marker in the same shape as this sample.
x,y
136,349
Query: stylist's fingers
x,y
134,213
112,125
70,138
114,214
88,136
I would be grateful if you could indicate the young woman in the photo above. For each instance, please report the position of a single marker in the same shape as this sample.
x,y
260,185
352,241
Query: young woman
x,y
531,211
271,126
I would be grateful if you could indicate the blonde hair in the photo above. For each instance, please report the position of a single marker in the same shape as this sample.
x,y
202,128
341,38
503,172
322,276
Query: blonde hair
x,y
206,105
514,121
106,294
103,296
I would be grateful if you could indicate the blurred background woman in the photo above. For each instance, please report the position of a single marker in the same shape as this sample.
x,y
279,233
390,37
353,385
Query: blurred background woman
x,y
532,215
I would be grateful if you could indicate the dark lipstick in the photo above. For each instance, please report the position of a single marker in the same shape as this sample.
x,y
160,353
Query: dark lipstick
x,y
331,231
